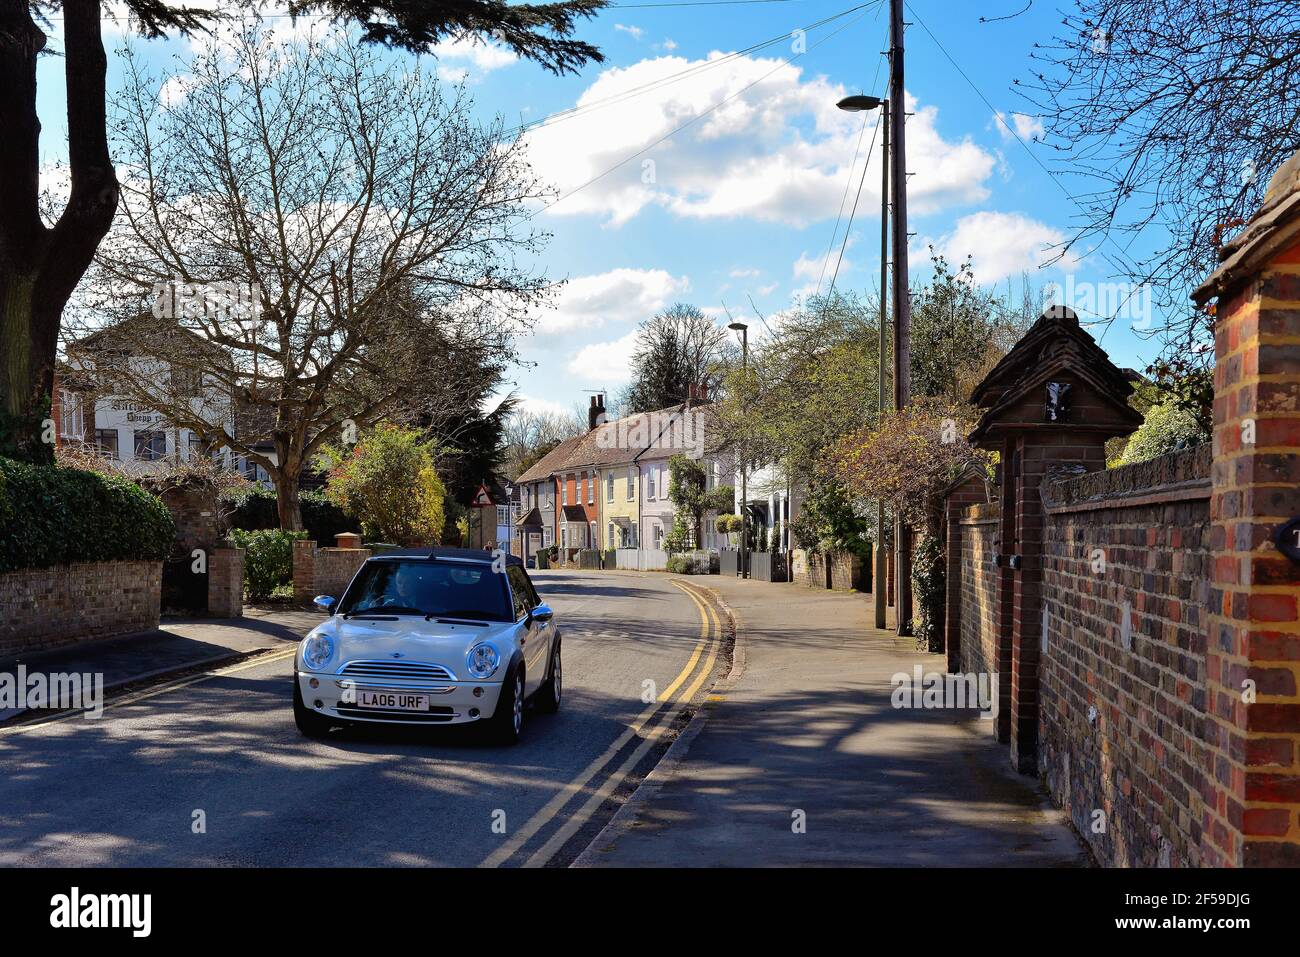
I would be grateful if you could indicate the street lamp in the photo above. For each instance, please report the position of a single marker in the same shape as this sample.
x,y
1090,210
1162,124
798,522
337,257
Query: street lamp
x,y
743,329
857,104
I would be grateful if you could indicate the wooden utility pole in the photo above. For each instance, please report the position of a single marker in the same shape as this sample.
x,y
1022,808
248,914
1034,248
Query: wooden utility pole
x,y
902,296
879,562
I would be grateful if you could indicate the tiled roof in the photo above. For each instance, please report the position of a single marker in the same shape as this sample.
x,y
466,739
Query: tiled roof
x,y
551,462
619,442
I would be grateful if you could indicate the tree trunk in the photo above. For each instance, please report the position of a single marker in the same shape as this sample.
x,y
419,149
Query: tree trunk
x,y
286,499
39,265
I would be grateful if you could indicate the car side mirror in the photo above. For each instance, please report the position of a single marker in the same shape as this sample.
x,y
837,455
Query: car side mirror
x,y
325,603
542,614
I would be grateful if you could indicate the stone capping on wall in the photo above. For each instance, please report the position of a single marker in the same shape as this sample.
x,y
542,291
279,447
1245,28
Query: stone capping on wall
x,y
981,514
1177,476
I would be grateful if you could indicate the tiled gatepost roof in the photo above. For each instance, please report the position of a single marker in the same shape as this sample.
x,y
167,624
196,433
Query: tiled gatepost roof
x,y
1054,399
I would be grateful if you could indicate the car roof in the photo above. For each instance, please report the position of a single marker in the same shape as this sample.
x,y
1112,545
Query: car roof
x,y
474,555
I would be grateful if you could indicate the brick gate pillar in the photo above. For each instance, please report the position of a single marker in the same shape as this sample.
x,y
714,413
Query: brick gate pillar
x,y
1054,399
1252,790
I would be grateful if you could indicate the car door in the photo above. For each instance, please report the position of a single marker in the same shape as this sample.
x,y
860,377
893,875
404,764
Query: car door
x,y
533,634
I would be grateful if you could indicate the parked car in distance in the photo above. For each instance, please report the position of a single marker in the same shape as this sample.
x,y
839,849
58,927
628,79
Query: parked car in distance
x,y
427,637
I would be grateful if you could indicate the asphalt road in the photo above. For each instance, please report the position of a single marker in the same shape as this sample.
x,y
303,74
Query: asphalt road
x,y
133,787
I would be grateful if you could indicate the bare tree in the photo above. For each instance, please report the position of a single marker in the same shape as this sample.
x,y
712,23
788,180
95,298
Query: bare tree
x,y
528,435
1174,112
322,238
675,350
41,262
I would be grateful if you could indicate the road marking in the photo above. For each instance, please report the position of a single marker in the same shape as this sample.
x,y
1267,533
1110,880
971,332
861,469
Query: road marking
x,y
593,803
154,692
713,654
552,807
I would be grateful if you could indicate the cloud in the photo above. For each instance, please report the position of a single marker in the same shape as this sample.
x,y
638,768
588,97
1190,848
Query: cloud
x,y
174,90
669,44
999,244
745,273
764,142
635,32
469,58
605,363
1026,127
618,296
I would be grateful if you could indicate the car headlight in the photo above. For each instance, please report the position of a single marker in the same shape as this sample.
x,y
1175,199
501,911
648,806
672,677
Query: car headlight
x,y
482,660
317,650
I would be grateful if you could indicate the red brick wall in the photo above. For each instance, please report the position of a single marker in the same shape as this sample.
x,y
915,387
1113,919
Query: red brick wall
x,y
1122,707
980,648
1253,725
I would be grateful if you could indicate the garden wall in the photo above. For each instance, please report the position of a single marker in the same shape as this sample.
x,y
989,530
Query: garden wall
x,y
1126,577
1122,675
67,604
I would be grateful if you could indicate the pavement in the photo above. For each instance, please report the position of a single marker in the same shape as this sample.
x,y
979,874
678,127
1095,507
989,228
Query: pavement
x,y
798,758
178,645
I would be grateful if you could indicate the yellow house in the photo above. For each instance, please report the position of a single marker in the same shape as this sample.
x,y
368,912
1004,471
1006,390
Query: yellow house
x,y
618,504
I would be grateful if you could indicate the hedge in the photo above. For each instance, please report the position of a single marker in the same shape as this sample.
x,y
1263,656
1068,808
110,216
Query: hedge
x,y
268,559
255,508
50,515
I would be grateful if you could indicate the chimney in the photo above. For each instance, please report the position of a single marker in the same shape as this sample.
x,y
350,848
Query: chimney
x,y
596,412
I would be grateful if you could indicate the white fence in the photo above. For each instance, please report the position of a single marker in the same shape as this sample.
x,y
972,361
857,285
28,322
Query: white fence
x,y
641,559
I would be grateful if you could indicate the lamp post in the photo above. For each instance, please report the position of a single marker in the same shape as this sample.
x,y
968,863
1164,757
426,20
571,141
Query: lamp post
x,y
856,104
744,453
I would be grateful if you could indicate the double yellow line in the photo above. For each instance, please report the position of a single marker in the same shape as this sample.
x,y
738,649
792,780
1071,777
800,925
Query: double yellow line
x,y
707,649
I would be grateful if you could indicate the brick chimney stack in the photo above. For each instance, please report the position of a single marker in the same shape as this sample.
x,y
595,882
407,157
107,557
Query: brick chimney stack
x,y
596,411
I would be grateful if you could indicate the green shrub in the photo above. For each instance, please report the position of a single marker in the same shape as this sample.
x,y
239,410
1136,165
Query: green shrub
x,y
268,559
681,564
51,515
1166,428
928,586
254,508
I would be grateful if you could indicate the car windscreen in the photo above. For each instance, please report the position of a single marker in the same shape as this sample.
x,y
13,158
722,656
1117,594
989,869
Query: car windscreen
x,y
421,587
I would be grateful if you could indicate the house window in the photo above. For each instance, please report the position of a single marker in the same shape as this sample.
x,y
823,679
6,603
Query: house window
x,y
106,442
594,540
548,537
73,417
609,487
659,536
613,536
631,536
150,446
564,491
194,445
631,484
503,515
650,483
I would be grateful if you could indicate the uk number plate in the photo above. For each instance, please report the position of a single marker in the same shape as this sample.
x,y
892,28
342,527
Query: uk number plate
x,y
393,700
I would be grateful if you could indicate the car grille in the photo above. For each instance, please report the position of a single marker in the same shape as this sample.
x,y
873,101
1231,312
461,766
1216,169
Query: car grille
x,y
396,674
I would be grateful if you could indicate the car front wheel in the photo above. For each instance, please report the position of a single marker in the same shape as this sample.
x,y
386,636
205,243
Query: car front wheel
x,y
507,722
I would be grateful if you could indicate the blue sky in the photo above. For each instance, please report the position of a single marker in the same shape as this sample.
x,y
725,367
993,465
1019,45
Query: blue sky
x,y
742,203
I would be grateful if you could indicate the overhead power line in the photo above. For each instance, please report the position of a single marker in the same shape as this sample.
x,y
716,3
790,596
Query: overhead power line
x,y
695,119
